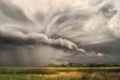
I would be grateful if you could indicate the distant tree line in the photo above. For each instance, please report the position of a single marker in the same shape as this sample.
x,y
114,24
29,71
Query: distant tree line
x,y
83,65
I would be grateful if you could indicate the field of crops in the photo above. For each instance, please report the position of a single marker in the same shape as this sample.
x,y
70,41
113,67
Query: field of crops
x,y
60,73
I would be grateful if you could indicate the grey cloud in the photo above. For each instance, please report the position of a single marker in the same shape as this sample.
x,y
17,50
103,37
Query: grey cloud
x,y
74,28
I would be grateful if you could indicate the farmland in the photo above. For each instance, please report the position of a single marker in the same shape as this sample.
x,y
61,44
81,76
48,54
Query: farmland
x,y
59,73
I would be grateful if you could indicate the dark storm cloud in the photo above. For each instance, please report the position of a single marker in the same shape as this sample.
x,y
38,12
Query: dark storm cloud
x,y
65,30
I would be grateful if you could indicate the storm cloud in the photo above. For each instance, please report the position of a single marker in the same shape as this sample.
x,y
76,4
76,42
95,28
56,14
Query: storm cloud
x,y
72,31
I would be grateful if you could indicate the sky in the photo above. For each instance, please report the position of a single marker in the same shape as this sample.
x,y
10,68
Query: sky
x,y
40,32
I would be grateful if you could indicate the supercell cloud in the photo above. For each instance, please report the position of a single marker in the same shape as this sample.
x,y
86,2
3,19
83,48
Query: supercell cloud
x,y
82,31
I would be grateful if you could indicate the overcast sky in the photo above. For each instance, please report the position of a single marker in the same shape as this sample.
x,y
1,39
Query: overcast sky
x,y
39,32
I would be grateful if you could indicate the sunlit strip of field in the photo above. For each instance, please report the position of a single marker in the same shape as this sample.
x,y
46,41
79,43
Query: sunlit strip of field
x,y
74,74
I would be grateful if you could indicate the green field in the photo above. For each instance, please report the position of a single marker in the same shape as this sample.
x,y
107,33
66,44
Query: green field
x,y
59,73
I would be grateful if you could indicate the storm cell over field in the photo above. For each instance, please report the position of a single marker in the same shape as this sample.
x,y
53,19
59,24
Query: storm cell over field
x,y
39,32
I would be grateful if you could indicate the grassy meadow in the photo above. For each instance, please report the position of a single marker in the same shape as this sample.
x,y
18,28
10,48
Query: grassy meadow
x,y
59,73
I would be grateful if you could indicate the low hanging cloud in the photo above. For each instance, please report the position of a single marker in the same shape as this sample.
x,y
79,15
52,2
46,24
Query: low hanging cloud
x,y
38,38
